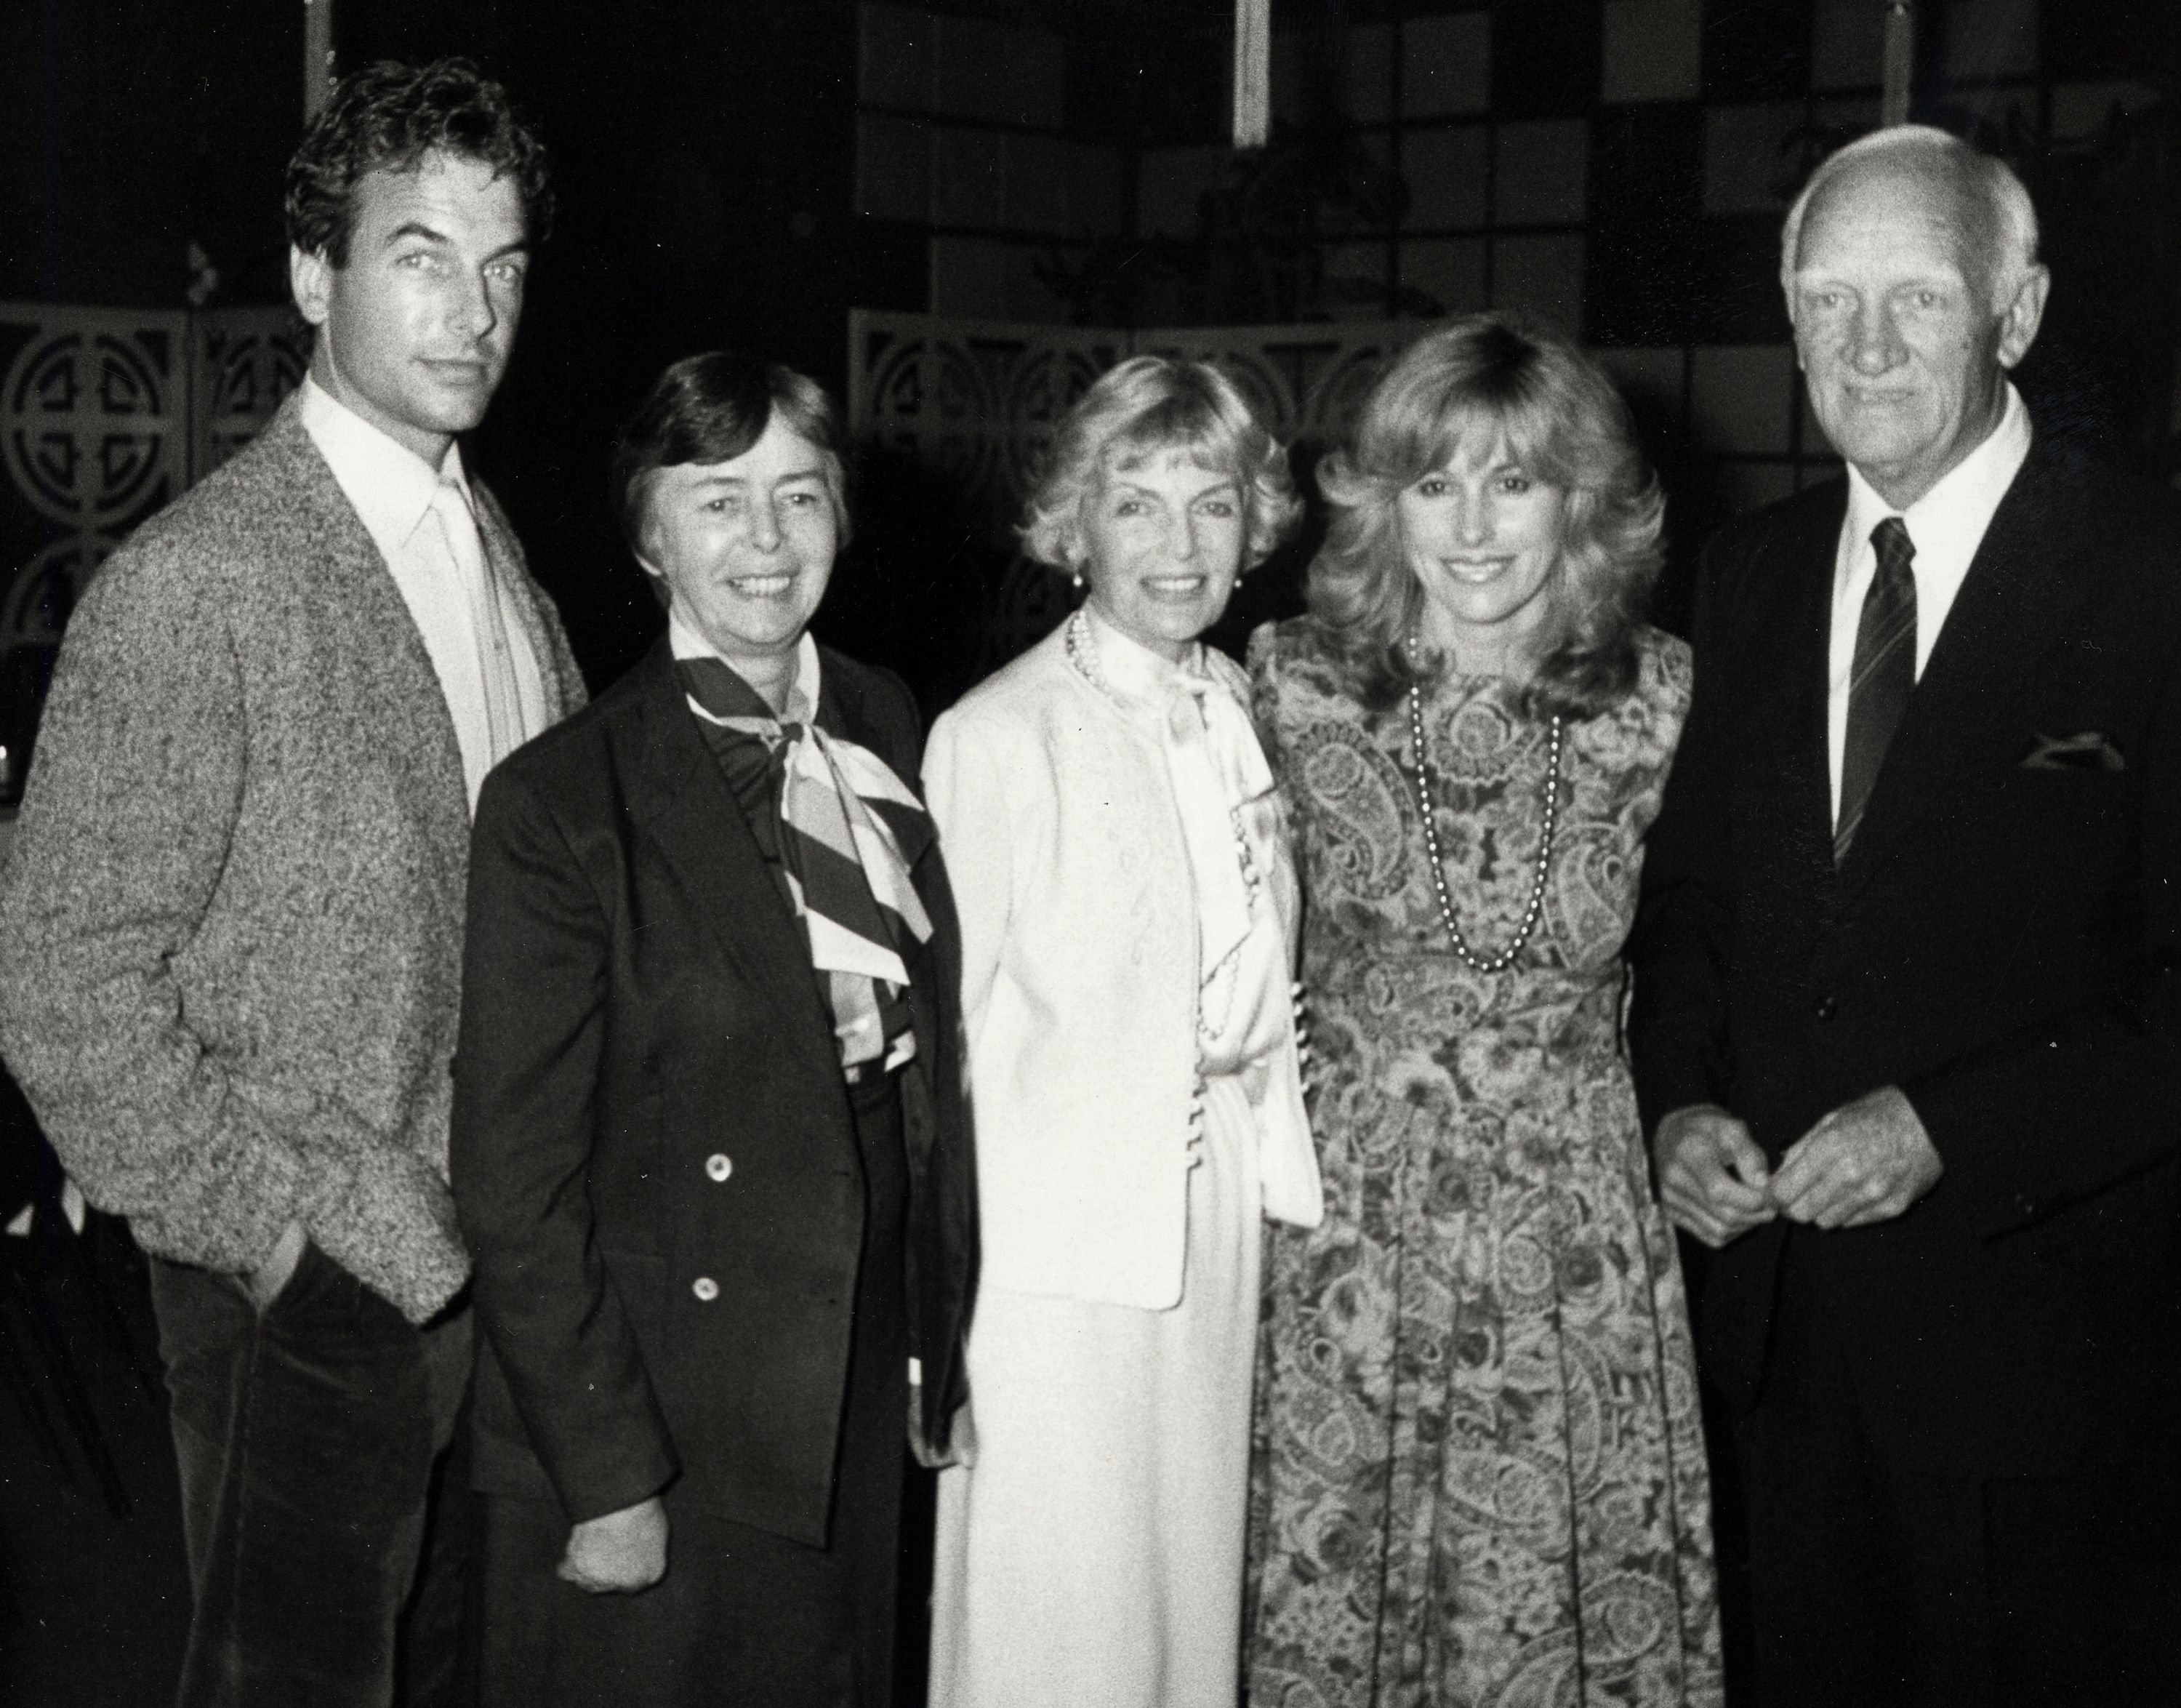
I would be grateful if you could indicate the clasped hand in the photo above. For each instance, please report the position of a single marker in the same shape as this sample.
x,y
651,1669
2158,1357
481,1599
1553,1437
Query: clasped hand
x,y
618,1552
624,1551
1866,1162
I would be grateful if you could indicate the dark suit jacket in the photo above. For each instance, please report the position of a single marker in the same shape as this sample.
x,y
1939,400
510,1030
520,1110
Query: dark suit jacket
x,y
2001,943
639,1003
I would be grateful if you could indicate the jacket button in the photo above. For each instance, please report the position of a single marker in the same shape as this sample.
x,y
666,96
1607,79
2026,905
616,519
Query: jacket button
x,y
705,1288
1827,1008
719,1165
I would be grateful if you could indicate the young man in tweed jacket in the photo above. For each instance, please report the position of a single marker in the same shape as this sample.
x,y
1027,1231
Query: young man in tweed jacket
x,y
230,934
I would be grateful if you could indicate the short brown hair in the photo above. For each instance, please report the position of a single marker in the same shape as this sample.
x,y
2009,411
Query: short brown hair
x,y
711,408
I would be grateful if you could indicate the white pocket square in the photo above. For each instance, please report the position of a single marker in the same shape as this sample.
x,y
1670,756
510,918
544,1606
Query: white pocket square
x,y
2089,751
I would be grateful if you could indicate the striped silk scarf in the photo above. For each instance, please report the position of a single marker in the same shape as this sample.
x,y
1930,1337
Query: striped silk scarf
x,y
844,819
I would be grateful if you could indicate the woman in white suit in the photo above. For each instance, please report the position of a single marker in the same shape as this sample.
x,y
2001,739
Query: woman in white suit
x,y
1127,904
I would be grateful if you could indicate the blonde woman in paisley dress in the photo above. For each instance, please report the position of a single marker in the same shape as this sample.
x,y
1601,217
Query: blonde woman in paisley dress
x,y
1482,1479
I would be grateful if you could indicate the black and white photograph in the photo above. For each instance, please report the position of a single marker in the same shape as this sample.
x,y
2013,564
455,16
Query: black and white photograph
x,y
1090,854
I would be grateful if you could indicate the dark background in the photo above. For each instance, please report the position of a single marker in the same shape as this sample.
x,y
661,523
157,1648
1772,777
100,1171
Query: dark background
x,y
712,192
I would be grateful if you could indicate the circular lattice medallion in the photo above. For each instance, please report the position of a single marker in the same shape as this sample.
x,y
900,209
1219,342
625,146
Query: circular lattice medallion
x,y
84,430
929,397
43,593
245,374
1045,382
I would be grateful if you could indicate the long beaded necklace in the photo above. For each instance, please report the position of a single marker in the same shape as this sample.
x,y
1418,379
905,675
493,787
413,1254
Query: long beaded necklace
x,y
1531,914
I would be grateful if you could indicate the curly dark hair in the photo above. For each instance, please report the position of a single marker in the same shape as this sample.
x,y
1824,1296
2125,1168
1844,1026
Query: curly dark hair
x,y
386,117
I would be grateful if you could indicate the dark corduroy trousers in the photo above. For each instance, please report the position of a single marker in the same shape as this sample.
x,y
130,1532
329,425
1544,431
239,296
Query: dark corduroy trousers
x,y
308,1436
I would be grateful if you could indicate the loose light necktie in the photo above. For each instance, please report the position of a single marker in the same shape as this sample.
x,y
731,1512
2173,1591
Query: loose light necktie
x,y
503,700
1200,757
1885,675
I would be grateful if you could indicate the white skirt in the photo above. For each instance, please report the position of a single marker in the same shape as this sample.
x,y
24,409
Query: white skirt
x,y
1092,1555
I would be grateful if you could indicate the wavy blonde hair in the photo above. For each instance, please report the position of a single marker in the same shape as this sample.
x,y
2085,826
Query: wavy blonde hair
x,y
1143,405
1482,380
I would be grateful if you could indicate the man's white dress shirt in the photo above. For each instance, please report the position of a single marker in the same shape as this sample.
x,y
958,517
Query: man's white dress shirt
x,y
423,522
1946,525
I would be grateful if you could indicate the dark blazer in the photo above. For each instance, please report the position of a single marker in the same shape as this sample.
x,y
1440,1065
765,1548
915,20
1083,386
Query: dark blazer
x,y
649,1098
2001,943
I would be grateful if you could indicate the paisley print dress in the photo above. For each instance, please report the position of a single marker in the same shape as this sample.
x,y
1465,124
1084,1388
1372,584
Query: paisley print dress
x,y
1481,1474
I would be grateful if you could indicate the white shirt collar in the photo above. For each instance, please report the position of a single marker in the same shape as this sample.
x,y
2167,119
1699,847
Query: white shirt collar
x,y
390,486
1947,525
1956,511
1133,671
683,641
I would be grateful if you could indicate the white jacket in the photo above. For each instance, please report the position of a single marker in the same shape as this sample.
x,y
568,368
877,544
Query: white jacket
x,y
1080,980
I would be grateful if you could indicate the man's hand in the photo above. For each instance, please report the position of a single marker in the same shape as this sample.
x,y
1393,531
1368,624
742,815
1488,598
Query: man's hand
x,y
1866,1162
622,1552
1712,1177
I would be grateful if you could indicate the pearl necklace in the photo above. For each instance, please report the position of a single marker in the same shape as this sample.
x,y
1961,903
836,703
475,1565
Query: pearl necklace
x,y
1083,654
1531,914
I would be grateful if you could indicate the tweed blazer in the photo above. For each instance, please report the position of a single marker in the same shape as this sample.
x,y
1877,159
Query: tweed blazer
x,y
231,926
1080,981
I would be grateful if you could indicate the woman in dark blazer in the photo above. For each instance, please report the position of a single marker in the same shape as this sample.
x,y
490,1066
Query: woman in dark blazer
x,y
709,1151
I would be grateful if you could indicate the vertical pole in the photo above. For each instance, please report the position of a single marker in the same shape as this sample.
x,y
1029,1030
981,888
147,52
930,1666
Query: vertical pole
x,y
1899,62
318,56
1253,73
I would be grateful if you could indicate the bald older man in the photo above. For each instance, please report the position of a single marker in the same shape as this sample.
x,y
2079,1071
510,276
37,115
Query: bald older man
x,y
1906,1024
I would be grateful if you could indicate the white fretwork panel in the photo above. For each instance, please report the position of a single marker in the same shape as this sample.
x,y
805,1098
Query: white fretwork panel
x,y
106,415
975,402
243,362
971,405
94,437
1306,382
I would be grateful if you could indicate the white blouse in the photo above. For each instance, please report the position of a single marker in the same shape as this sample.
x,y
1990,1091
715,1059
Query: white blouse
x,y
1240,866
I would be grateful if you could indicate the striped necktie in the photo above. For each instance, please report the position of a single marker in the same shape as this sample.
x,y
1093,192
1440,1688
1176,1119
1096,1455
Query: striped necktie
x,y
1885,675
849,829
